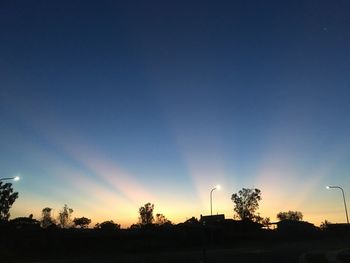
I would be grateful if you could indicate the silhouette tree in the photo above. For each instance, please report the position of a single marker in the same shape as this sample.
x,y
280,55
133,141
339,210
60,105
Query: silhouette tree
x,y
246,203
107,225
324,225
290,215
146,214
266,222
64,217
162,220
7,198
83,222
46,219
135,226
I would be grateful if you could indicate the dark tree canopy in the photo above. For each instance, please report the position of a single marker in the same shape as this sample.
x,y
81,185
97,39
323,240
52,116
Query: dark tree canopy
x,y
290,215
135,226
82,222
246,202
261,220
325,224
146,214
266,222
107,225
7,198
162,220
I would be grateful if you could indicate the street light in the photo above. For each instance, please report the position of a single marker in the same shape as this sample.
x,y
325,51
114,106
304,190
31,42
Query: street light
x,y
346,210
211,198
16,178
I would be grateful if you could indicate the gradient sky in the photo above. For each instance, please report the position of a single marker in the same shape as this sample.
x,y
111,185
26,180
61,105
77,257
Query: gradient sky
x,y
108,105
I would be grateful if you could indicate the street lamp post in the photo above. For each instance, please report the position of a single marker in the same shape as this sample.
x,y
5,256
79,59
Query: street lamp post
x,y
211,198
346,210
10,178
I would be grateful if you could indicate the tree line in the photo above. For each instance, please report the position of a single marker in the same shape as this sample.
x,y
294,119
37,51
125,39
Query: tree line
x,y
64,219
246,203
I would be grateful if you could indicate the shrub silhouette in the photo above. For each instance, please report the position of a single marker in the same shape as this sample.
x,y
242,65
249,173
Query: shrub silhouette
x,y
82,222
108,225
290,215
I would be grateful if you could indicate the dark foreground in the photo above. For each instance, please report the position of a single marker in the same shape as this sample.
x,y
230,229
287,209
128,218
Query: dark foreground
x,y
174,244
317,252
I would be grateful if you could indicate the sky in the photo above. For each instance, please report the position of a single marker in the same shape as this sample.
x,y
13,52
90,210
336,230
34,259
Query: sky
x,y
108,105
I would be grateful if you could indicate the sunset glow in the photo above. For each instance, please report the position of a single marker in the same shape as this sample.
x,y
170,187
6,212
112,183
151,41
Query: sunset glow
x,y
108,107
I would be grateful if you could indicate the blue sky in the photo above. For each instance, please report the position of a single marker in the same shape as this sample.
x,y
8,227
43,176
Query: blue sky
x,y
106,106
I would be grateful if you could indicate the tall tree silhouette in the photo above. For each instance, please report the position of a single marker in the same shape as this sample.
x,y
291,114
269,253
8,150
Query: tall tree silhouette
x,y
46,218
7,198
146,214
64,217
246,202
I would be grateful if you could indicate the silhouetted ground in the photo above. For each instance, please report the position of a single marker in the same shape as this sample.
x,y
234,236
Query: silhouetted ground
x,y
286,252
225,243
344,255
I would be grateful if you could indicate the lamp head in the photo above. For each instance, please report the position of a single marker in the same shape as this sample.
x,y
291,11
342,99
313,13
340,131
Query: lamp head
x,y
218,187
16,178
327,187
